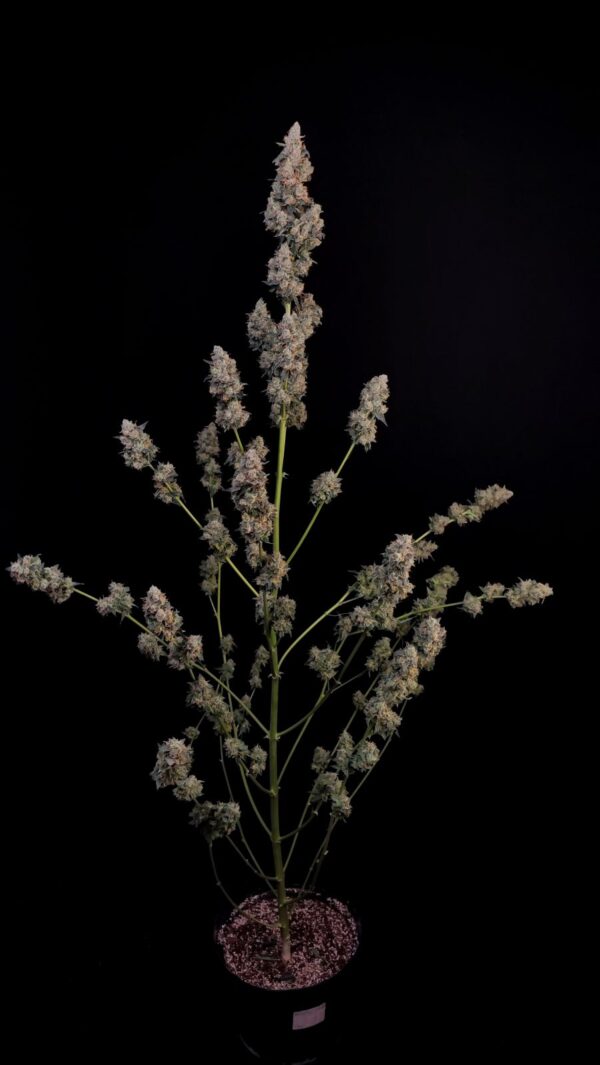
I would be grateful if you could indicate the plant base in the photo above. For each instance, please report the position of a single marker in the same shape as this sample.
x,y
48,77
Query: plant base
x,y
296,1014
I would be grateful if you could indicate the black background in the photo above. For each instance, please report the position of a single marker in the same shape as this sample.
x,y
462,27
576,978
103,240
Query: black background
x,y
459,185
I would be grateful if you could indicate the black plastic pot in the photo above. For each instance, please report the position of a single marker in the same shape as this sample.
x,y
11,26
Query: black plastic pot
x,y
292,1027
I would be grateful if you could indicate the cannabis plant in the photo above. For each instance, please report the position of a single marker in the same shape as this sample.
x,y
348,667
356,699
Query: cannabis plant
x,y
389,638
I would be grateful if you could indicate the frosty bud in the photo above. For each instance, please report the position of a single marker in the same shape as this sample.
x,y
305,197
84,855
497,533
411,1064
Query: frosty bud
x,y
166,487
225,385
372,407
173,763
324,488
258,761
118,601
528,593
366,755
261,657
492,591
472,604
216,819
30,570
139,451
150,646
190,789
325,661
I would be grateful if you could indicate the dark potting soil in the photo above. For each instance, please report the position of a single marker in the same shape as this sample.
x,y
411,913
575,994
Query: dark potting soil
x,y
323,934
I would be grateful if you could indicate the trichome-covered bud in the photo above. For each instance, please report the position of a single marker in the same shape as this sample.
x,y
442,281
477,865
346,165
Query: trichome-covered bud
x,y
118,601
30,570
173,763
139,450
325,661
225,385
325,487
166,487
190,789
528,593
371,408
216,819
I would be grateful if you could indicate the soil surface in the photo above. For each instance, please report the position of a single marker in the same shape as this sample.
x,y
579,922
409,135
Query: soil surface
x,y
324,937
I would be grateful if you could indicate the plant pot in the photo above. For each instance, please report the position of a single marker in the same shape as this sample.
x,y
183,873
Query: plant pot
x,y
285,1025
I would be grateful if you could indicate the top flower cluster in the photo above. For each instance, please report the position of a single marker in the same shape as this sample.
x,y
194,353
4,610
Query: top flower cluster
x,y
295,219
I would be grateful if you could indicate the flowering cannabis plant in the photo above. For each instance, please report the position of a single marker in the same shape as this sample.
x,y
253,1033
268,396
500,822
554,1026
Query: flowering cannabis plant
x,y
399,637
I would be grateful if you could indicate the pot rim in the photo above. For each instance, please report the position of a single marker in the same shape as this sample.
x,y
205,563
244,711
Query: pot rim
x,y
227,909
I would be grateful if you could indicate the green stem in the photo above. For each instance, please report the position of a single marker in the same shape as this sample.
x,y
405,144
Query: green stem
x,y
257,784
252,801
302,824
247,710
319,856
315,623
442,606
319,703
366,775
275,820
256,870
353,653
241,576
429,532
217,613
283,909
279,484
181,504
320,507
231,902
306,720
94,598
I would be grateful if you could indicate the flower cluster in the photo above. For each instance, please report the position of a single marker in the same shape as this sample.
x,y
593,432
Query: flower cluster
x,y
225,385
372,407
523,593
261,658
397,650
331,789
190,789
118,601
293,216
219,540
438,587
485,499
429,639
216,819
325,487
383,586
254,759
205,697
139,451
325,661
166,487
164,621
173,763
166,636
249,491
295,219
273,572
282,611
348,757
207,456
399,677
30,570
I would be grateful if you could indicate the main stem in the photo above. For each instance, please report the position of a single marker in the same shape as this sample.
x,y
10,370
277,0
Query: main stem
x,y
282,902
284,918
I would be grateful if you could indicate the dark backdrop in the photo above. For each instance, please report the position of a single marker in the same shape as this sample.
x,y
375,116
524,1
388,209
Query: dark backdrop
x,y
459,189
